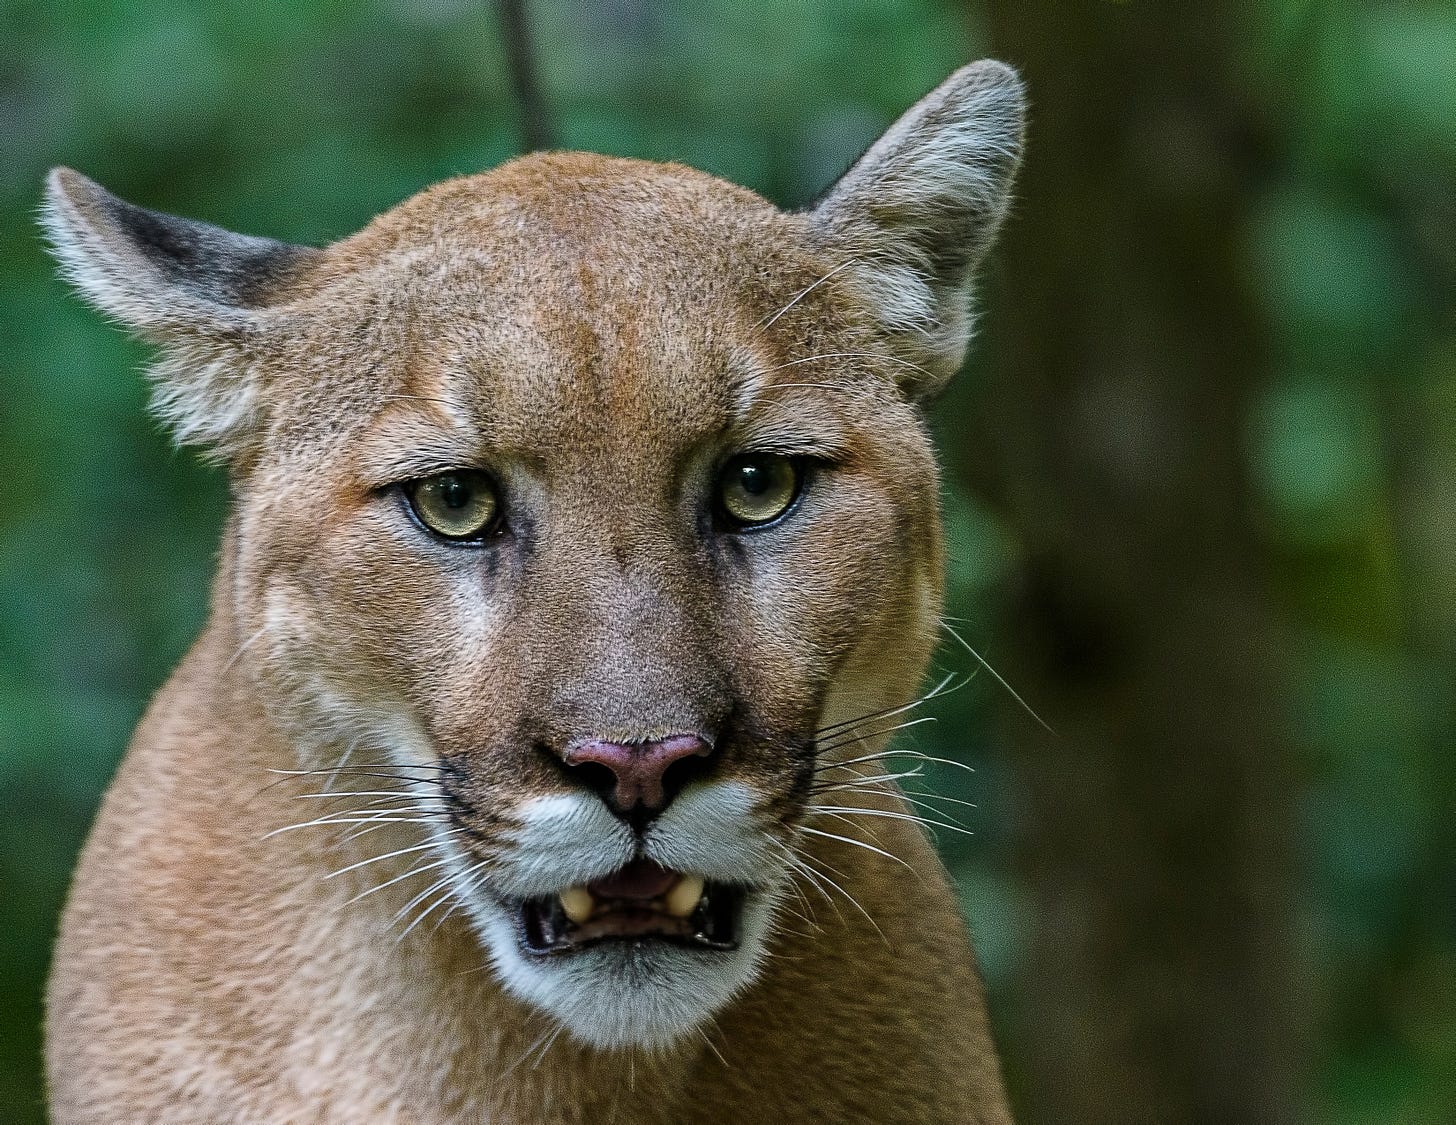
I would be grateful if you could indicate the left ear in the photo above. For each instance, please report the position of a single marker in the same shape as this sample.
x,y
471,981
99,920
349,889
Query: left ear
x,y
916,214
198,291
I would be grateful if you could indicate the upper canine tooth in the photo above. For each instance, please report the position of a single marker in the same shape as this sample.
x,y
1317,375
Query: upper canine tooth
x,y
578,904
682,900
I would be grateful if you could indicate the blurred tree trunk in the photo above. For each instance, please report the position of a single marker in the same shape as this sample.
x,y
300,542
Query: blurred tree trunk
x,y
535,121
1124,352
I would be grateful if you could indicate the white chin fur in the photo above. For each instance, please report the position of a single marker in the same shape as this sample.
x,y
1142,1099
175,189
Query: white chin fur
x,y
616,995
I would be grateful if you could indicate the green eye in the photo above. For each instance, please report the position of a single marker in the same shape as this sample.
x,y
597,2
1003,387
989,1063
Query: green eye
x,y
757,488
459,505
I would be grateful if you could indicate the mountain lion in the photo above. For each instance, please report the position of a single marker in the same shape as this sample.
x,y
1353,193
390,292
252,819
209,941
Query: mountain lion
x,y
583,554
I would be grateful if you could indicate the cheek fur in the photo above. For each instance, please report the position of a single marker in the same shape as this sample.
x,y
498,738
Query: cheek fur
x,y
812,598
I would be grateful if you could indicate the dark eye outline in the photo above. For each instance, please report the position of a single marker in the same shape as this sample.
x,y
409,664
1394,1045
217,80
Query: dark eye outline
x,y
728,522
490,529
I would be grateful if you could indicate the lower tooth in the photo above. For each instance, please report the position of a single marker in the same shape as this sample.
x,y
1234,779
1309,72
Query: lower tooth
x,y
578,904
682,900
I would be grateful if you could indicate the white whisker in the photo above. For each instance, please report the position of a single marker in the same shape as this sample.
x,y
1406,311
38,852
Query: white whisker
x,y
339,766
419,870
379,859
890,712
881,755
852,900
551,1029
1025,706
887,780
381,816
449,887
242,648
813,877
843,740
551,1042
805,292
854,355
857,843
394,794
712,1046
853,810
918,798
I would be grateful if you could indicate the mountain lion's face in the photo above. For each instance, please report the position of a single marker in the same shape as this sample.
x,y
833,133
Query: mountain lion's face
x,y
588,502
570,531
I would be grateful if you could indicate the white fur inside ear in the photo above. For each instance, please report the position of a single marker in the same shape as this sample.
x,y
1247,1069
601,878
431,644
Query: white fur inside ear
x,y
206,393
917,213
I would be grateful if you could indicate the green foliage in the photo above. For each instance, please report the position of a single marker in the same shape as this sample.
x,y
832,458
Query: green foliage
x,y
1353,449
302,121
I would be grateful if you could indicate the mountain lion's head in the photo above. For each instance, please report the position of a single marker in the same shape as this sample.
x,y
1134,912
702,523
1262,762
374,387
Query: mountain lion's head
x,y
581,510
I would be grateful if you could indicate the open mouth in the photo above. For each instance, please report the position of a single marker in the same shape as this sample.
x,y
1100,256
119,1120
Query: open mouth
x,y
642,902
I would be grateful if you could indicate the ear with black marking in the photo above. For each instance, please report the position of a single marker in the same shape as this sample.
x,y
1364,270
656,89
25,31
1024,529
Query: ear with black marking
x,y
199,291
915,215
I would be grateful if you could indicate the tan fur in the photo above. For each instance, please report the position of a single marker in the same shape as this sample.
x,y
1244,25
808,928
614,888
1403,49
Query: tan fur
x,y
598,333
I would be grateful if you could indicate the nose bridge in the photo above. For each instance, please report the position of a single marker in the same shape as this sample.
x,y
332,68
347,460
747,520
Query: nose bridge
x,y
625,653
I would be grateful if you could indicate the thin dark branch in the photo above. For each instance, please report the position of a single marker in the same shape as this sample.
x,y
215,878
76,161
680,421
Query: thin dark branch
x,y
536,131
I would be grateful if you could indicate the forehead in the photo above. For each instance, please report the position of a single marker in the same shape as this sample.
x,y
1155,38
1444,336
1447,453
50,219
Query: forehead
x,y
586,348
577,302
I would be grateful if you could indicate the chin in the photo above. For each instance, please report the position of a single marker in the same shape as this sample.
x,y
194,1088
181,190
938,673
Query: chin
x,y
629,976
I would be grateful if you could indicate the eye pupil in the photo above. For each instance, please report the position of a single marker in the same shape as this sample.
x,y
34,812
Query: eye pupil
x,y
753,479
454,492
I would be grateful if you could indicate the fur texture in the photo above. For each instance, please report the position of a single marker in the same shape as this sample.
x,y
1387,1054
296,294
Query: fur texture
x,y
296,903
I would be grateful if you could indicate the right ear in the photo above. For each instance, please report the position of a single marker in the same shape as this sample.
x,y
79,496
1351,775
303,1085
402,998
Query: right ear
x,y
916,214
197,290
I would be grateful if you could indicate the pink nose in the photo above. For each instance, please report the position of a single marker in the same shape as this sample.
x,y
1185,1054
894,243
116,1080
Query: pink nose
x,y
639,768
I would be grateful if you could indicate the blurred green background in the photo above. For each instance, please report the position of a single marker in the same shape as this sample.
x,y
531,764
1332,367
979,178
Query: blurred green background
x,y
1201,486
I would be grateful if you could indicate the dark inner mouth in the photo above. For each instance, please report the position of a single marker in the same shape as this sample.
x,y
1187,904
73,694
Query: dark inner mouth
x,y
641,902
